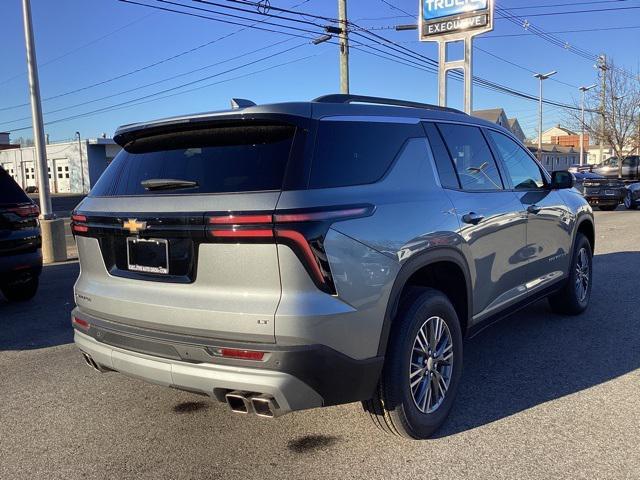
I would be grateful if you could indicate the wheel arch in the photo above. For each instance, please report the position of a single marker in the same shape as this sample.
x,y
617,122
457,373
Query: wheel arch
x,y
587,227
455,282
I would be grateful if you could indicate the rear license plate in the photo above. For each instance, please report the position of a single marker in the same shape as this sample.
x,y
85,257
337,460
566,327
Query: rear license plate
x,y
148,256
609,192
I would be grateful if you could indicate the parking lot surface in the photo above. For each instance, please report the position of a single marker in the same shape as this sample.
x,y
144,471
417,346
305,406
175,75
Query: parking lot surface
x,y
542,396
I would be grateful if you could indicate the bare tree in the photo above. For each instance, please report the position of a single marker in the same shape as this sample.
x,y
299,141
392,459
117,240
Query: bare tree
x,y
612,114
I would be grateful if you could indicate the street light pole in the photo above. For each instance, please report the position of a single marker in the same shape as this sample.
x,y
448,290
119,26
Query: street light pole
x,y
583,90
541,77
54,248
81,161
344,46
36,115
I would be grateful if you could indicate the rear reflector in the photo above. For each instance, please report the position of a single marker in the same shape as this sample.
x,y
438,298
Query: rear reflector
x,y
80,323
79,228
241,354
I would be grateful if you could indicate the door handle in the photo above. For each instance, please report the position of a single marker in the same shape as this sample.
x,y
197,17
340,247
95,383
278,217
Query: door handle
x,y
534,209
473,218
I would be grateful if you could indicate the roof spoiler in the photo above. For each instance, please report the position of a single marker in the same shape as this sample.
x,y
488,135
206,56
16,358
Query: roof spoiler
x,y
346,98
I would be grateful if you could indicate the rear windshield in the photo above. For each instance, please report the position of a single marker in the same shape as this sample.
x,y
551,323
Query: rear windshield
x,y
10,191
215,160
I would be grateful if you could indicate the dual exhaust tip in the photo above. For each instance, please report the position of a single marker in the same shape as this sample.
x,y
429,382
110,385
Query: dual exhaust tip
x,y
246,402
92,363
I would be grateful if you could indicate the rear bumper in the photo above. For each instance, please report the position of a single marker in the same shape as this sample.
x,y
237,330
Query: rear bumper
x,y
15,267
298,378
605,199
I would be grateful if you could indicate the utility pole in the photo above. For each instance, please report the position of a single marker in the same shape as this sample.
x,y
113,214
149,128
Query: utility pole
x,y
344,46
602,65
81,161
54,247
583,90
541,77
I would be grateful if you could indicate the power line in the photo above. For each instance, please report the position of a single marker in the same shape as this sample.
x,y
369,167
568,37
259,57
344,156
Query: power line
x,y
163,60
156,96
574,12
140,87
85,45
582,30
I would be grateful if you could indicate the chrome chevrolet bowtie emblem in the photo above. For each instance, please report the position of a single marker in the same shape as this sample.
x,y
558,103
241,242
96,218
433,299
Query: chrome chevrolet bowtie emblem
x,y
134,226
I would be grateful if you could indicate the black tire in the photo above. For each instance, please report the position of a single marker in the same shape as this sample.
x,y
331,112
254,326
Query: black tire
x,y
629,202
393,408
608,208
568,301
21,291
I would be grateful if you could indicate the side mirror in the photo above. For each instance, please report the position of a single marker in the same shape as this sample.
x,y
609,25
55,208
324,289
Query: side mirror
x,y
562,179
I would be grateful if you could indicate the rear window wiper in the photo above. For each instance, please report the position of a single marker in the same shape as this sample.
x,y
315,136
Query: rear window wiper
x,y
167,184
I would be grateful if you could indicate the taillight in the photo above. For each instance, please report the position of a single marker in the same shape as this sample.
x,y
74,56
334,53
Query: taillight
x,y
80,323
77,223
302,230
24,211
240,354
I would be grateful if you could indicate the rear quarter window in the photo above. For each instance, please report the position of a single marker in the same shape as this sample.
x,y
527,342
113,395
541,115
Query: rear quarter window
x,y
357,153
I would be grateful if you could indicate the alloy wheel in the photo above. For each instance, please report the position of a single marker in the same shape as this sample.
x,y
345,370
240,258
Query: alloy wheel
x,y
582,274
431,365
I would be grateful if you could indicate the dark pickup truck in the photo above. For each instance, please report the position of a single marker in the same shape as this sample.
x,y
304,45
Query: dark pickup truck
x,y
604,193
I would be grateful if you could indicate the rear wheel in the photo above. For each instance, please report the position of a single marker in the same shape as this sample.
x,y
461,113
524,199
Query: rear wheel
x,y
629,202
422,367
20,291
574,297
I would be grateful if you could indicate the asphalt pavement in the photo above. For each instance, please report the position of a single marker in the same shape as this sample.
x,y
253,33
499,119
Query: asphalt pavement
x,y
542,396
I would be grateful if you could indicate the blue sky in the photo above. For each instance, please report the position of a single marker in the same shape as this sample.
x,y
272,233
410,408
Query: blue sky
x,y
84,42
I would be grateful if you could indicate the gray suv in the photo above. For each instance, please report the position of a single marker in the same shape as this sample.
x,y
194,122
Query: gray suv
x,y
300,255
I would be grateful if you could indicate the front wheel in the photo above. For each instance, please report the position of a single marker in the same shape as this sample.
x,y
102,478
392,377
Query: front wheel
x,y
574,297
422,368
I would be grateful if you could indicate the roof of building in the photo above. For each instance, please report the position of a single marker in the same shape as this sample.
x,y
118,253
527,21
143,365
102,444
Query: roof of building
x,y
490,115
512,122
552,148
559,127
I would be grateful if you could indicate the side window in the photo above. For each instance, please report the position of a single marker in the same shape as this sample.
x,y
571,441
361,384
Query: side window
x,y
357,153
473,161
448,177
524,172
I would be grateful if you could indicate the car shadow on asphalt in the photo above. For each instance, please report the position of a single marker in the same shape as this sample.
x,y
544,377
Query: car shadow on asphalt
x,y
536,356
43,321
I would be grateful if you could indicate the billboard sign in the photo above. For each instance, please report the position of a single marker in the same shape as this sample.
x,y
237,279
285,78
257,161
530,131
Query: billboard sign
x,y
454,18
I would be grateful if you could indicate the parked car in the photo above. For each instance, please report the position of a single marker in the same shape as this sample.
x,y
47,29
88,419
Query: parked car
x,y
632,196
20,242
604,193
630,168
300,255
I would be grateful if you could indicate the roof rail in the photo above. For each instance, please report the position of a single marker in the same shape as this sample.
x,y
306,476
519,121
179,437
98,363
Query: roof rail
x,y
347,98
